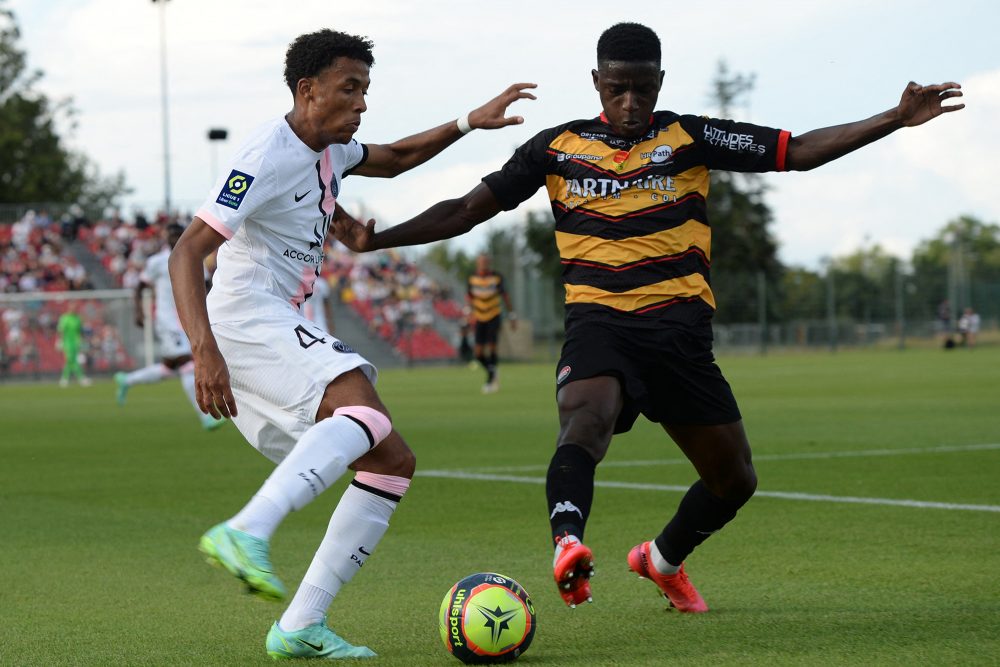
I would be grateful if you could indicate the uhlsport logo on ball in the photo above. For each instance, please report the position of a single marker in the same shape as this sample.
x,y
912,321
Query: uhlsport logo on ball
x,y
487,617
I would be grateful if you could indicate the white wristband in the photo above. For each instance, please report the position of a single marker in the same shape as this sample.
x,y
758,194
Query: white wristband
x,y
463,124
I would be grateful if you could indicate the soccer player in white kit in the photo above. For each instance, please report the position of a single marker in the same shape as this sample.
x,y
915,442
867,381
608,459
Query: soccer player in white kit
x,y
174,348
303,398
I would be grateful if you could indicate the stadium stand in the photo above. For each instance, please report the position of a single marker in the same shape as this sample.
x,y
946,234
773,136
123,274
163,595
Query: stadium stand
x,y
399,303
395,300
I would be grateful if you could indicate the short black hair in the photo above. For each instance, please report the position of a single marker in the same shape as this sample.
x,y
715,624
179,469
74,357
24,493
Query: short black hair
x,y
310,54
628,42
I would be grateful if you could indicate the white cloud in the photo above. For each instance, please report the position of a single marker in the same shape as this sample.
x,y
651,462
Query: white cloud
x,y
816,65
898,191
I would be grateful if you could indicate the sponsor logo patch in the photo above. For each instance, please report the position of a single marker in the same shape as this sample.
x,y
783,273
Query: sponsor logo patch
x,y
563,374
234,189
659,155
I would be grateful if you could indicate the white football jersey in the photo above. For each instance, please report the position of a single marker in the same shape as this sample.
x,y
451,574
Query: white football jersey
x,y
155,273
274,205
315,308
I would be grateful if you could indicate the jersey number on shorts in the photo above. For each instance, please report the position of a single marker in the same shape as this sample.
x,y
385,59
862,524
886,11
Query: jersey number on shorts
x,y
306,339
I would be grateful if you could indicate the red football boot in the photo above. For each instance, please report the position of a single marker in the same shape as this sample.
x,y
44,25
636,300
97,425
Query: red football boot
x,y
677,588
572,571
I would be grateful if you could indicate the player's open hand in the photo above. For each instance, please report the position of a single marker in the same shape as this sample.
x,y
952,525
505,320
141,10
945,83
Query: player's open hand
x,y
492,115
211,385
353,233
921,103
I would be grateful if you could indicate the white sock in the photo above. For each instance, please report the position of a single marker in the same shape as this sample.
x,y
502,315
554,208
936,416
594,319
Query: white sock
x,y
357,525
259,517
564,542
148,375
318,459
659,562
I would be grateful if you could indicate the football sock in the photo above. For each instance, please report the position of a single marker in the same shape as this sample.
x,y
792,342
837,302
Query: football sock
x,y
700,514
357,525
491,367
563,543
569,487
659,562
147,375
259,517
318,459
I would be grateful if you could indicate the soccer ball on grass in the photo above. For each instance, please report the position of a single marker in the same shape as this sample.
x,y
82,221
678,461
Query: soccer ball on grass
x,y
485,618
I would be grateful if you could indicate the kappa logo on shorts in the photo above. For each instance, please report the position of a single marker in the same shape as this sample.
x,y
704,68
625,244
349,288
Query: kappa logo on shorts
x,y
234,189
563,374
341,346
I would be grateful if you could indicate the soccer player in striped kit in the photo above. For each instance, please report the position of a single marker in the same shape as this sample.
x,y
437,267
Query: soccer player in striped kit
x,y
628,193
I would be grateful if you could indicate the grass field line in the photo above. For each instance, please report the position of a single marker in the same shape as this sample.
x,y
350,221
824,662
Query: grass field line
x,y
783,495
798,456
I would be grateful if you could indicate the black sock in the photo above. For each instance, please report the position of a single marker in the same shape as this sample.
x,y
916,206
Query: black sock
x,y
484,362
700,514
491,366
569,487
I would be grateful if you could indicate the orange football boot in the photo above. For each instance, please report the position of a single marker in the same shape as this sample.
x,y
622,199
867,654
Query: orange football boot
x,y
677,588
572,571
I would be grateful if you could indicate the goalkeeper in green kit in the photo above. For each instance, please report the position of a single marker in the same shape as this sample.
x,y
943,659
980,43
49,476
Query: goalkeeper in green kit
x,y
70,328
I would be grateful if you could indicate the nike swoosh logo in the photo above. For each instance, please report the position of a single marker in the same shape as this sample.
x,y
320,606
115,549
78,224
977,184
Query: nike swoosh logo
x,y
362,550
298,198
312,646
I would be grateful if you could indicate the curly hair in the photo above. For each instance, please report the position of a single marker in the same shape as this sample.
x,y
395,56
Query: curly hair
x,y
310,54
628,42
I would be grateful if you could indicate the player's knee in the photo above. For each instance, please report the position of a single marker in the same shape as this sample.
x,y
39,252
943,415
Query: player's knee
x,y
738,485
393,457
589,429
376,424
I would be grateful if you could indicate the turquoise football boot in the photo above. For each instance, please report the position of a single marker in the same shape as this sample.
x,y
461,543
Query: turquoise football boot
x,y
246,557
314,641
121,388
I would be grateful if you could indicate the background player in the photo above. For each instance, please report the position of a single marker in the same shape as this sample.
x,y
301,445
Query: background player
x,y
70,330
628,193
303,398
485,292
175,349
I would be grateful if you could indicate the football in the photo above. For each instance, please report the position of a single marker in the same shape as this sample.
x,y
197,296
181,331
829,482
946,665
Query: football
x,y
486,618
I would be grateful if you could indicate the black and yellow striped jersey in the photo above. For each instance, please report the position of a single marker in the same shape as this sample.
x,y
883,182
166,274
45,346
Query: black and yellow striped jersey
x,y
631,222
485,293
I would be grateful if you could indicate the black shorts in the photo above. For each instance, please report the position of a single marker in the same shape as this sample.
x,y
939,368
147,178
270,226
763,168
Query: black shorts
x,y
487,332
667,374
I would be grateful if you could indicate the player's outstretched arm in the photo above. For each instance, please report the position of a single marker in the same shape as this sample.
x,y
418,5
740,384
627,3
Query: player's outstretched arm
x,y
918,105
187,276
444,220
388,160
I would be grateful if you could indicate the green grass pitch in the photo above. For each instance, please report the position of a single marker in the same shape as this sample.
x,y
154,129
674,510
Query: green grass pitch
x,y
101,508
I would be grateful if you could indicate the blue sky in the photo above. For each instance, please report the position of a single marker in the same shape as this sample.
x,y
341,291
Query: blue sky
x,y
816,64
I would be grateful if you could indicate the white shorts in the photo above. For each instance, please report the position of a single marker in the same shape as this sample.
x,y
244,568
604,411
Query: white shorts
x,y
173,342
279,368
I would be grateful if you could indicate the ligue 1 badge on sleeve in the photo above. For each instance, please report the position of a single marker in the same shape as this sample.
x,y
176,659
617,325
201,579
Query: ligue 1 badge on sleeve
x,y
234,189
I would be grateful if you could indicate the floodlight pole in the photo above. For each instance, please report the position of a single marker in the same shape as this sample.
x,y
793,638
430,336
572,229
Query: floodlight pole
x,y
163,97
